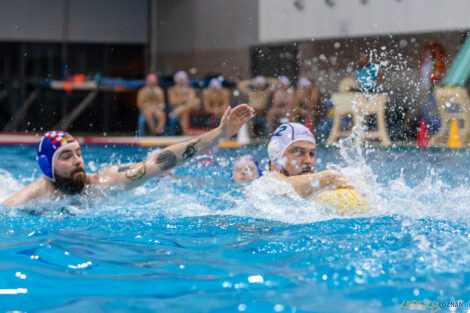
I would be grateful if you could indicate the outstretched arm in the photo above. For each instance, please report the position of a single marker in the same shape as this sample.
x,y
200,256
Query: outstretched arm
x,y
176,154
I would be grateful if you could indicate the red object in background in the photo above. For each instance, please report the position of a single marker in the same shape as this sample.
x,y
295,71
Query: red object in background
x,y
423,137
208,158
79,78
68,87
308,123
437,53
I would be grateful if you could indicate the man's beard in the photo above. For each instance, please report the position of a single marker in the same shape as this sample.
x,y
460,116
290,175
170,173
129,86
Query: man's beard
x,y
70,185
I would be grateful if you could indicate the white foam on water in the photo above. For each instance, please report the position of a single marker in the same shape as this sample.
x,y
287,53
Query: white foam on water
x,y
9,185
267,198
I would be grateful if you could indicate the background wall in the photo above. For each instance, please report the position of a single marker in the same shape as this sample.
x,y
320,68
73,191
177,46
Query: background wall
x,y
283,20
103,21
206,35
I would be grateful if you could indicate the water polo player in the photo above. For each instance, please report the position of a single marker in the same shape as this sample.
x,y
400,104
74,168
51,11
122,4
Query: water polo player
x,y
246,169
291,152
60,159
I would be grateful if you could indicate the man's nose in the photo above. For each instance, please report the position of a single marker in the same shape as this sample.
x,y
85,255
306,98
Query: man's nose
x,y
77,160
308,158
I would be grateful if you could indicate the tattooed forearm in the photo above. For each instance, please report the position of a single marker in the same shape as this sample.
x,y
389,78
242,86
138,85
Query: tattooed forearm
x,y
166,160
190,150
135,172
123,168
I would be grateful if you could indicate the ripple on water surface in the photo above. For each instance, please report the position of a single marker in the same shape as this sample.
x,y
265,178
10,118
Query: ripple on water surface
x,y
173,246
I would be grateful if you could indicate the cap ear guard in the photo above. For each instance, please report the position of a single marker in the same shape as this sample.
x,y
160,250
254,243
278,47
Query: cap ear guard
x,y
45,166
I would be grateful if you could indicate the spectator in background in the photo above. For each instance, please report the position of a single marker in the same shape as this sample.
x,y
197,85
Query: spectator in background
x,y
259,91
368,75
182,99
308,99
216,99
284,107
151,104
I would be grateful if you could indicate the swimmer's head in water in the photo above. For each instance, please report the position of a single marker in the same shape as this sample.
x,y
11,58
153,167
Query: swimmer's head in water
x,y
60,159
181,78
151,79
291,149
246,169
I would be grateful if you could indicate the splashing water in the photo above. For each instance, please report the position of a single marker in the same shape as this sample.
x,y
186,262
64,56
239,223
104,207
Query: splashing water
x,y
196,242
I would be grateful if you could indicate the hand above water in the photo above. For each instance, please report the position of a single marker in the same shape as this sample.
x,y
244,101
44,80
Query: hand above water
x,y
234,118
334,179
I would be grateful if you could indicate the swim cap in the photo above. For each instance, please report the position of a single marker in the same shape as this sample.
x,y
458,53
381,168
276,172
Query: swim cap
x,y
246,158
51,143
283,137
259,80
303,82
215,83
283,80
180,75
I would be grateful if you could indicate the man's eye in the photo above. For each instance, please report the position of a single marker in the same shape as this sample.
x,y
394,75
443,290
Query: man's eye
x,y
312,154
297,153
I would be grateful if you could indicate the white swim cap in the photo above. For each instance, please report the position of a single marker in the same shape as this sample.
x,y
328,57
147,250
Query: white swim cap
x,y
283,137
215,83
303,82
259,80
179,75
284,80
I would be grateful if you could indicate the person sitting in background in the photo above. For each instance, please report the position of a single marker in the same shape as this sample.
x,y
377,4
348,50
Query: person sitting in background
x,y
308,99
216,99
60,159
183,99
368,75
151,103
284,107
259,91
292,153
246,169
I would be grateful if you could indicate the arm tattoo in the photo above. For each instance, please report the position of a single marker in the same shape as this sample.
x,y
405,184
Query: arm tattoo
x,y
190,150
135,172
123,168
166,160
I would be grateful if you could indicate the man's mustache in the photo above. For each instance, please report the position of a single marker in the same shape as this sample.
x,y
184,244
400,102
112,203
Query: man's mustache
x,y
77,170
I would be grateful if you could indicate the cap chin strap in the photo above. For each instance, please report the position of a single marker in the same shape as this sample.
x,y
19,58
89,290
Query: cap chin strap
x,y
284,172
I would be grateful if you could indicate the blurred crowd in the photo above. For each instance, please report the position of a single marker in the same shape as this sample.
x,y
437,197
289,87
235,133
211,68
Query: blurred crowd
x,y
187,108
183,109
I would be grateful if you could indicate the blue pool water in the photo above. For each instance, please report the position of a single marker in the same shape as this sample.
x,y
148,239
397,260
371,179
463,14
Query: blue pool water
x,y
194,242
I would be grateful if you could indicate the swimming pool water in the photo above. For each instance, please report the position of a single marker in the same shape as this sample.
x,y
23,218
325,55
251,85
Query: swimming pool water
x,y
194,242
